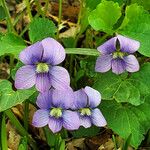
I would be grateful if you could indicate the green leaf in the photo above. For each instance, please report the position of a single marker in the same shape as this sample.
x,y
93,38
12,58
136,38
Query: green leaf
x,y
83,132
126,120
14,70
105,16
136,25
41,28
23,143
2,13
141,80
107,84
11,44
9,97
127,93
92,4
132,90
144,3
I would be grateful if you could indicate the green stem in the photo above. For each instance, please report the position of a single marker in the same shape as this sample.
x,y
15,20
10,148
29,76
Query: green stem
x,y
11,64
28,9
26,114
40,12
78,24
4,134
59,17
64,134
114,140
76,37
102,39
46,7
8,18
20,128
82,51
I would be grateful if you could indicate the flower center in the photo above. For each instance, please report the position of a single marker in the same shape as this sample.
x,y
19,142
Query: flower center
x,y
85,112
118,54
42,67
56,112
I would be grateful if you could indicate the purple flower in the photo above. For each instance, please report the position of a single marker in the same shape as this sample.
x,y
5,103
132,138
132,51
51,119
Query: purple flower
x,y
86,101
40,68
119,59
54,112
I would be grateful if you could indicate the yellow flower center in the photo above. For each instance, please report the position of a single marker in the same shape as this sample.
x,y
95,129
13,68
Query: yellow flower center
x,y
56,112
42,68
118,54
85,112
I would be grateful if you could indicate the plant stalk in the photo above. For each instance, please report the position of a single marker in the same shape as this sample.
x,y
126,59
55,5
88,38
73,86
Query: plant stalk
x,y
8,17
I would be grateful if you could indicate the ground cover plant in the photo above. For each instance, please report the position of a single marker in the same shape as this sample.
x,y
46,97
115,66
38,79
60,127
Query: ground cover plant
x,y
74,74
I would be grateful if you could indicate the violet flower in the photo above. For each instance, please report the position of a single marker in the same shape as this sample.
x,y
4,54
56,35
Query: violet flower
x,y
53,111
40,68
119,59
86,101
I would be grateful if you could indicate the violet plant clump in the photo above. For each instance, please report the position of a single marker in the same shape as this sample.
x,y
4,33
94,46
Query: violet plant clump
x,y
117,53
59,108
41,60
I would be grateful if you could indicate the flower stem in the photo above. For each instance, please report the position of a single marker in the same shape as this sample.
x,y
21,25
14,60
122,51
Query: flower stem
x,y
59,17
40,12
20,128
64,134
46,7
26,114
4,134
8,17
76,37
28,9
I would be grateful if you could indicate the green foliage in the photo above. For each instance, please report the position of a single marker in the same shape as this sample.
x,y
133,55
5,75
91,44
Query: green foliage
x,y
41,28
136,25
14,70
2,13
105,16
23,144
128,119
122,88
11,44
9,97
83,132
92,4
144,3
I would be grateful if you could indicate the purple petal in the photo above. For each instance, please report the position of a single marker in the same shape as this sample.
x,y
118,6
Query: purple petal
x,y
60,78
32,54
40,118
85,121
44,100
132,64
71,120
103,63
118,66
128,45
54,53
55,124
25,77
97,118
80,99
108,47
94,96
43,83
62,98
